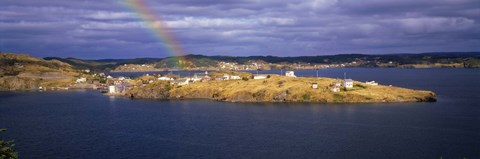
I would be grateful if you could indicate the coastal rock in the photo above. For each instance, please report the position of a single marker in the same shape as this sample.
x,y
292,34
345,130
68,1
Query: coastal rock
x,y
281,97
17,83
158,90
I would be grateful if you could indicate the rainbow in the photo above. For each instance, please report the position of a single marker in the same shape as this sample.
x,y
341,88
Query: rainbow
x,y
158,28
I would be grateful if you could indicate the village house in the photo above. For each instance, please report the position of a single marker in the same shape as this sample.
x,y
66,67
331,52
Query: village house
x,y
117,82
183,81
226,77
121,88
373,83
314,85
111,89
335,89
81,80
118,88
348,83
165,79
235,77
260,76
290,74
337,84
201,77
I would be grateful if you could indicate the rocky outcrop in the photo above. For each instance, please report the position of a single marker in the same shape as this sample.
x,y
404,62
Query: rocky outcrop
x,y
18,83
158,90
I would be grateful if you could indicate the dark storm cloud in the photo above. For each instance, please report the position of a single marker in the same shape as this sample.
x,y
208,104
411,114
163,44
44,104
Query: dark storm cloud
x,y
110,29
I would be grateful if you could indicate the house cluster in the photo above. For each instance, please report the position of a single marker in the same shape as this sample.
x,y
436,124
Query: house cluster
x,y
121,84
249,65
118,85
201,77
135,67
336,86
228,65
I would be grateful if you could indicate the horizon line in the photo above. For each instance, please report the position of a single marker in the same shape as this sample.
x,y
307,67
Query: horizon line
x,y
193,54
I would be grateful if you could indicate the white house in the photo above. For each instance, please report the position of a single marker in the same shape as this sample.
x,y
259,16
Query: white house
x,y
290,74
200,76
235,77
196,79
261,76
81,80
111,89
165,79
337,84
314,85
335,89
373,83
348,83
226,77
183,81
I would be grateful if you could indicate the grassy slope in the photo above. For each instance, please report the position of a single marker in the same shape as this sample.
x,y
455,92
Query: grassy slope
x,y
20,71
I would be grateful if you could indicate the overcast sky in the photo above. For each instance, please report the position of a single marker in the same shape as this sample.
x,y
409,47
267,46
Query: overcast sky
x,y
111,29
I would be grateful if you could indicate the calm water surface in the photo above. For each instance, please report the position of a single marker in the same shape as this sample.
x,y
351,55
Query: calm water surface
x,y
86,124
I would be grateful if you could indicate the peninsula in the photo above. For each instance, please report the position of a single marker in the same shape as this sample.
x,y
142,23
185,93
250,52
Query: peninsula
x,y
275,88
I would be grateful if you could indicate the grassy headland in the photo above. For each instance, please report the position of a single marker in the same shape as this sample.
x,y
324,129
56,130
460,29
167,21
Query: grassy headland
x,y
24,72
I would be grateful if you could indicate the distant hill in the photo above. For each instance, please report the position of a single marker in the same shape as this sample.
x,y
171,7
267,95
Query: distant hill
x,y
102,64
189,61
436,59
343,58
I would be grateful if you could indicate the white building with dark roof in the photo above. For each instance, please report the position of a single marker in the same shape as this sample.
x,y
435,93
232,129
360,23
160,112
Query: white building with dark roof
x,y
348,83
